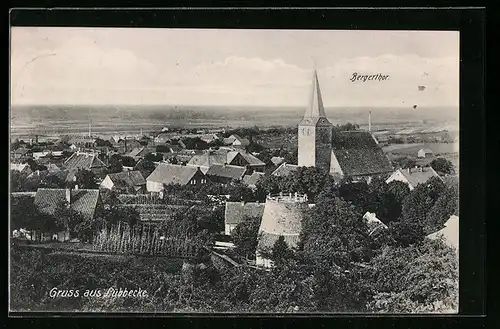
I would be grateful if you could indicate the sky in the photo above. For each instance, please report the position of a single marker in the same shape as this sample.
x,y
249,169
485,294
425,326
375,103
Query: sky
x,y
138,66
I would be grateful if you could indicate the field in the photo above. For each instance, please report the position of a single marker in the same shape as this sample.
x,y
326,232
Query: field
x,y
412,149
109,120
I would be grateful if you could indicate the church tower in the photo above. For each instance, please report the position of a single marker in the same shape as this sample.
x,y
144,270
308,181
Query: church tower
x,y
315,132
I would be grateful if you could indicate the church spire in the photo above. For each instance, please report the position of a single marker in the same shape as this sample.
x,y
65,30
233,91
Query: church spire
x,y
315,107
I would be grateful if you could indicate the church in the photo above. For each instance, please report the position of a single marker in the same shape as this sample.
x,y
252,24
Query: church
x,y
354,154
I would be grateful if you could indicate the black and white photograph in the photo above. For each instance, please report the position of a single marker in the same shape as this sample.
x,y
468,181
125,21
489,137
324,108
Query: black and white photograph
x,y
175,170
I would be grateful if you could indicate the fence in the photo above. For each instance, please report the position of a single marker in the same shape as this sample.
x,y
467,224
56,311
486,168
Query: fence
x,y
143,240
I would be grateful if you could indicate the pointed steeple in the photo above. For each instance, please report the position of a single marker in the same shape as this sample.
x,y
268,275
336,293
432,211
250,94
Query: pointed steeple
x,y
315,107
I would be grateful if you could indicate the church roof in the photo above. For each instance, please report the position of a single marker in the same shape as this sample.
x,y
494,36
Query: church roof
x,y
359,154
315,111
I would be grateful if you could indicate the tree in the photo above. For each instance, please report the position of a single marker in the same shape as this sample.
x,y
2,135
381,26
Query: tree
x,y
244,236
86,179
22,212
281,252
17,181
115,164
195,143
292,157
404,162
102,142
127,161
445,206
153,157
418,203
443,166
405,233
334,234
420,278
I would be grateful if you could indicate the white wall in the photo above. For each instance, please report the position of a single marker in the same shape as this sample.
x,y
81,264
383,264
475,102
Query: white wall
x,y
154,186
398,176
107,183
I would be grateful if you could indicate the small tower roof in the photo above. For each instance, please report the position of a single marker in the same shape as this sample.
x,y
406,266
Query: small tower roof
x,y
315,107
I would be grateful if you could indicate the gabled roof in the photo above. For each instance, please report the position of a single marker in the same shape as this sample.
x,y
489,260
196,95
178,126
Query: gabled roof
x,y
226,171
85,161
127,179
19,166
83,201
315,111
209,158
359,154
251,159
243,141
238,212
277,160
426,150
170,174
138,151
284,169
21,151
251,180
417,176
450,232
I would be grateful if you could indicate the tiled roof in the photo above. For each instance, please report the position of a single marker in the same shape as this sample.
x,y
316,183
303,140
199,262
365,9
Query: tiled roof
x,y
136,152
18,166
85,161
267,240
83,201
238,212
226,171
208,158
22,194
129,178
451,180
277,160
169,174
21,151
285,169
251,180
251,159
450,232
359,154
417,176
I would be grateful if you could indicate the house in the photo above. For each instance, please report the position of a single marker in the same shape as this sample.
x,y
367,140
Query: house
x,y
450,233
413,176
125,181
374,224
222,173
284,169
138,153
127,144
22,153
424,153
83,142
163,137
237,212
252,180
235,158
84,201
235,140
358,155
85,161
170,174
277,160
38,155
23,168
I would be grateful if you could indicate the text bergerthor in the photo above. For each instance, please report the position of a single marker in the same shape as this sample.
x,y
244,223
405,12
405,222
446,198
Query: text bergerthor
x,y
373,77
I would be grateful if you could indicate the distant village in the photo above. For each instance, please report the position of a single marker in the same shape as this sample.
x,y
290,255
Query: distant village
x,y
146,171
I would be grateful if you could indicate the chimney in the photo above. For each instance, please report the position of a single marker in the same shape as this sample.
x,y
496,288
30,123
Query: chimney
x,y
68,195
370,121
